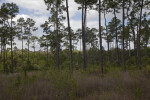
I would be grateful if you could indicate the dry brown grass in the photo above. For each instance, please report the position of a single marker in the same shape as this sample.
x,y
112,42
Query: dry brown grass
x,y
114,86
53,85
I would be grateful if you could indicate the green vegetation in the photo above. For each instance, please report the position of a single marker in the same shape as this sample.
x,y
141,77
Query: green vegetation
x,y
59,70
51,84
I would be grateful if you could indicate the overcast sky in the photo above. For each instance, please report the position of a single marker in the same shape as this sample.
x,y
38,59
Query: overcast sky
x,y
36,9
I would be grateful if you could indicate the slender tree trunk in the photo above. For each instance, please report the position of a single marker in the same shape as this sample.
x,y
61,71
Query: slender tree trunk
x,y
28,51
80,44
129,48
134,40
57,45
116,35
100,39
47,56
4,62
107,35
22,48
108,44
146,49
1,52
85,22
83,35
139,40
12,67
34,51
137,43
6,53
123,55
70,37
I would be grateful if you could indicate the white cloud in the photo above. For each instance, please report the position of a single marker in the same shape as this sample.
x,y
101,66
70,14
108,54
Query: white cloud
x,y
37,6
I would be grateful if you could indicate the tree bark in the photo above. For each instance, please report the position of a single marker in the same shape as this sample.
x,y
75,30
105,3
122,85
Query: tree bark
x,y
100,39
139,40
28,51
134,40
107,35
22,47
70,37
57,44
83,35
1,52
34,51
4,62
12,67
129,48
47,56
147,49
116,35
123,18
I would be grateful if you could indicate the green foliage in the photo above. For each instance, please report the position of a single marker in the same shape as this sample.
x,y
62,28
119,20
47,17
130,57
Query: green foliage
x,y
137,93
73,90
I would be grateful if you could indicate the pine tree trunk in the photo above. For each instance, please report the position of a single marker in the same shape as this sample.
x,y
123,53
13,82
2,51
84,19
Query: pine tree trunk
x,y
47,56
4,62
107,35
12,67
70,37
129,48
123,49
100,39
1,52
116,35
134,40
108,51
57,44
147,49
34,51
22,48
139,38
28,51
6,53
83,35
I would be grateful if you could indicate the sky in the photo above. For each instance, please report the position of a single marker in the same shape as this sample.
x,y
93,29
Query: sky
x,y
36,9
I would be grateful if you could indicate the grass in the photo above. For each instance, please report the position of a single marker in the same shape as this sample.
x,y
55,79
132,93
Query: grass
x,y
81,85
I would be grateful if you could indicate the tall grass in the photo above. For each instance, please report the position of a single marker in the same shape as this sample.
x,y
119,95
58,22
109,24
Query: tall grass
x,y
81,85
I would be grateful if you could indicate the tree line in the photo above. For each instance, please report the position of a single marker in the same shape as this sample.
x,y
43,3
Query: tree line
x,y
133,29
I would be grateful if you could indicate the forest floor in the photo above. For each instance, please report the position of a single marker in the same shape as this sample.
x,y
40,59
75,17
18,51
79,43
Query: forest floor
x,y
81,85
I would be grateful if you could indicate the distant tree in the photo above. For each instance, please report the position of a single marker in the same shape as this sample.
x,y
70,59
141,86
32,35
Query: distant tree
x,y
106,34
44,42
111,29
131,15
20,27
10,10
74,38
85,4
56,8
91,37
141,5
79,36
145,36
33,40
70,37
29,27
114,6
